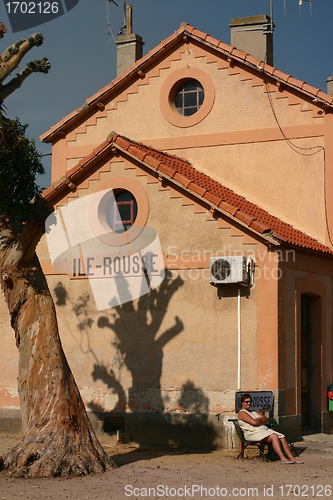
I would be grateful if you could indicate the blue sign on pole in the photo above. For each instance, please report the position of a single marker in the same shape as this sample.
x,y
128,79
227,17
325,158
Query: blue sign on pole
x,y
261,400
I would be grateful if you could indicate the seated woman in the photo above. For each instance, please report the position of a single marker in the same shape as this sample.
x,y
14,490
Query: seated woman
x,y
254,429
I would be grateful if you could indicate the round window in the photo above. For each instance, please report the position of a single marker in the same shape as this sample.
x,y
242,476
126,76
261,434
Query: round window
x,y
118,211
121,211
189,96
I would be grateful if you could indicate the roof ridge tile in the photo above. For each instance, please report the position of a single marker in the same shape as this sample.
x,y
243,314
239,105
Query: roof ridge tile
x,y
244,217
197,189
122,142
182,179
139,153
200,34
259,226
167,170
190,29
228,207
213,198
153,162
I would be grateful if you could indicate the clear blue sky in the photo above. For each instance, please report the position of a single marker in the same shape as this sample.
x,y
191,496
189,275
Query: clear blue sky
x,y
83,62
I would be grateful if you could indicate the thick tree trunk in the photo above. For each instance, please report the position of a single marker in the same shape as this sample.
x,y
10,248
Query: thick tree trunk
x,y
59,439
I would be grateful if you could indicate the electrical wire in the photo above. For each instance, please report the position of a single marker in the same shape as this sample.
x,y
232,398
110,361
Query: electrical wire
x,y
110,33
325,203
298,149
293,146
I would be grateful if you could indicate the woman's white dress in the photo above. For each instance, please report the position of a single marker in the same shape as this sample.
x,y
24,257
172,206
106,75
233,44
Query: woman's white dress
x,y
252,433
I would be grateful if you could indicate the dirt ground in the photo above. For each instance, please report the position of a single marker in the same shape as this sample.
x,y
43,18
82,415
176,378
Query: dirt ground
x,y
182,474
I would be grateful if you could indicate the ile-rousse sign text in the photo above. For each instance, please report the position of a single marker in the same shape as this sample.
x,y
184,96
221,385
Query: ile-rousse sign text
x,y
119,269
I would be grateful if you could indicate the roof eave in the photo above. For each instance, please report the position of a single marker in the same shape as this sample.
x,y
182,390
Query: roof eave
x,y
69,183
185,32
118,145
136,70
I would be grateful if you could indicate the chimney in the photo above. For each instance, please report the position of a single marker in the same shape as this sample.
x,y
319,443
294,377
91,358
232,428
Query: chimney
x,y
129,45
329,82
253,35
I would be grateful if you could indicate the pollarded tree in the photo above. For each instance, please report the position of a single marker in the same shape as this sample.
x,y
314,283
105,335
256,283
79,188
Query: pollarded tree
x,y
59,439
11,58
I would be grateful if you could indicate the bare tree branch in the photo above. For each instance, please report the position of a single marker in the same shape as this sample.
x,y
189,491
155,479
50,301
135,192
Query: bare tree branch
x,y
41,66
11,58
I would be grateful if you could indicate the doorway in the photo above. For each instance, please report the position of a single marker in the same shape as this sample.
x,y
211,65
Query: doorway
x,y
310,362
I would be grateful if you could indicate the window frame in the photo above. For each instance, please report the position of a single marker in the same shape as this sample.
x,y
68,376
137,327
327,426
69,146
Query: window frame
x,y
112,214
183,93
168,91
100,199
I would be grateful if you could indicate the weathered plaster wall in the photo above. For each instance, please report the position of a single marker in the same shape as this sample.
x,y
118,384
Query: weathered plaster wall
x,y
176,347
238,143
266,280
200,359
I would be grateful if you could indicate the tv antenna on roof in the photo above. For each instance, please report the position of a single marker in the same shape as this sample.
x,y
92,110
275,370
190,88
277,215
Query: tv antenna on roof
x,y
268,28
125,16
108,21
127,26
300,3
123,29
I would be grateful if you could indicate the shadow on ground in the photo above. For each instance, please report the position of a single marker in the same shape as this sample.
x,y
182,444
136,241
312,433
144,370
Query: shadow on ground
x,y
138,454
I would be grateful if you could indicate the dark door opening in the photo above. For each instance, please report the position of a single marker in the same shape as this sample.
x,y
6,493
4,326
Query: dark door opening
x,y
306,327
311,352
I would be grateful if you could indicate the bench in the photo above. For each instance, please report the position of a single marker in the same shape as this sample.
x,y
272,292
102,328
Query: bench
x,y
272,424
245,444
291,440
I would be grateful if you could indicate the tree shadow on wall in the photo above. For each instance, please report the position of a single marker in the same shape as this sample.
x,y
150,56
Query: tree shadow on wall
x,y
138,349
139,346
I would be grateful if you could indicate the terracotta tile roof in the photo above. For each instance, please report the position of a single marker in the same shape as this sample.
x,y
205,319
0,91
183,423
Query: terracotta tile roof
x,y
198,184
204,39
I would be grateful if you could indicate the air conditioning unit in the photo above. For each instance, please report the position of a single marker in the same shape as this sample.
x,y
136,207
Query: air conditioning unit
x,y
224,270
